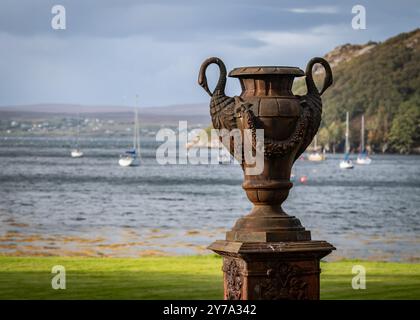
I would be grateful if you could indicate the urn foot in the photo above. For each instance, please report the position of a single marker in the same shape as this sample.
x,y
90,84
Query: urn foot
x,y
268,223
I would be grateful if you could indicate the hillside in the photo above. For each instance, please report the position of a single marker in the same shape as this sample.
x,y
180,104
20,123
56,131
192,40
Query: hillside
x,y
381,80
62,119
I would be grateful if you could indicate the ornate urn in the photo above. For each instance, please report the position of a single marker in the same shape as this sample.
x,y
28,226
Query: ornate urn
x,y
267,235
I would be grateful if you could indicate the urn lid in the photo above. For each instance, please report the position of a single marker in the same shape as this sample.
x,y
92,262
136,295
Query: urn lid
x,y
281,70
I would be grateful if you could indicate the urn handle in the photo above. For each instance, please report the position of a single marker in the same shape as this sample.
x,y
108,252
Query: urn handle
x,y
202,78
328,80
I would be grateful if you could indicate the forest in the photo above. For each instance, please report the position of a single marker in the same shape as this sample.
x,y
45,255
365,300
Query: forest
x,y
381,81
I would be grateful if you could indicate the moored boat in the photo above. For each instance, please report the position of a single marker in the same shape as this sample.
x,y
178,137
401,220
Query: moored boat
x,y
363,157
131,158
346,163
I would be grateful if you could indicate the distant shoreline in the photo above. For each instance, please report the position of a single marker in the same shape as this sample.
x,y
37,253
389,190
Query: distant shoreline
x,y
152,127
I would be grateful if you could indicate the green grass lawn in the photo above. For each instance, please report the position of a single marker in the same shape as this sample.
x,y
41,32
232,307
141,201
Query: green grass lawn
x,y
191,277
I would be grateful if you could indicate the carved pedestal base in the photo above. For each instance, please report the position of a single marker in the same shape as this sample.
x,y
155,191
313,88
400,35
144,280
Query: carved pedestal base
x,y
271,270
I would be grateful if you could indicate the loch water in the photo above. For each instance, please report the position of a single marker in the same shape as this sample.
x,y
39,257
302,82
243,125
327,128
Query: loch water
x,y
52,204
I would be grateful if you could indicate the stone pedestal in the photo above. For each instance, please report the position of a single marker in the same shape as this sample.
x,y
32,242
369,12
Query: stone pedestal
x,y
271,270
268,254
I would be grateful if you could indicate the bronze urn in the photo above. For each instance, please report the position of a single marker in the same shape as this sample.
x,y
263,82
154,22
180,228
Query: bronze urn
x,y
268,243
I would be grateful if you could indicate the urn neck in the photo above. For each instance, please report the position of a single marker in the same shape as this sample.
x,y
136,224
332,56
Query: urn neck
x,y
266,81
267,85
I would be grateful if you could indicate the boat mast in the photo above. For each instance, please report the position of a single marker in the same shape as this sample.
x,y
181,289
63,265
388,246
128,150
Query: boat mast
x,y
136,139
362,136
315,144
78,131
347,146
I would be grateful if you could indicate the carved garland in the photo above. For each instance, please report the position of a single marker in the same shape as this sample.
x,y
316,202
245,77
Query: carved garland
x,y
283,282
274,147
232,269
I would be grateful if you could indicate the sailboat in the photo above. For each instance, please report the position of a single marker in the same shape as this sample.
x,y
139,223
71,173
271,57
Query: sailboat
x,y
315,155
363,158
131,158
76,152
346,163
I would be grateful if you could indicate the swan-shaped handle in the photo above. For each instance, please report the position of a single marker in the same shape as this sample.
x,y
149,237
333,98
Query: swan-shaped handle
x,y
221,84
328,80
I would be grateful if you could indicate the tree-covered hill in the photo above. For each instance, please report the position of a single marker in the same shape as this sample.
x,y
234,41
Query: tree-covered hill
x,y
380,80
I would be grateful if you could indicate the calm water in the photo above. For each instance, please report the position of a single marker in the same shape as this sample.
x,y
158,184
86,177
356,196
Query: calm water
x,y
53,204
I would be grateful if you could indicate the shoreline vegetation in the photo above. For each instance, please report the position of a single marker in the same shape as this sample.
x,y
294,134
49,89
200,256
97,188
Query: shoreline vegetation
x,y
24,239
183,277
149,243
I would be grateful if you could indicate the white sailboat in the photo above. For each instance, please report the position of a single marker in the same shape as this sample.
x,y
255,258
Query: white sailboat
x,y
346,163
363,158
315,155
76,152
131,158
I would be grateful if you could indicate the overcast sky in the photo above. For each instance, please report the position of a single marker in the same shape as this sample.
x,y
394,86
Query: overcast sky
x,y
112,50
